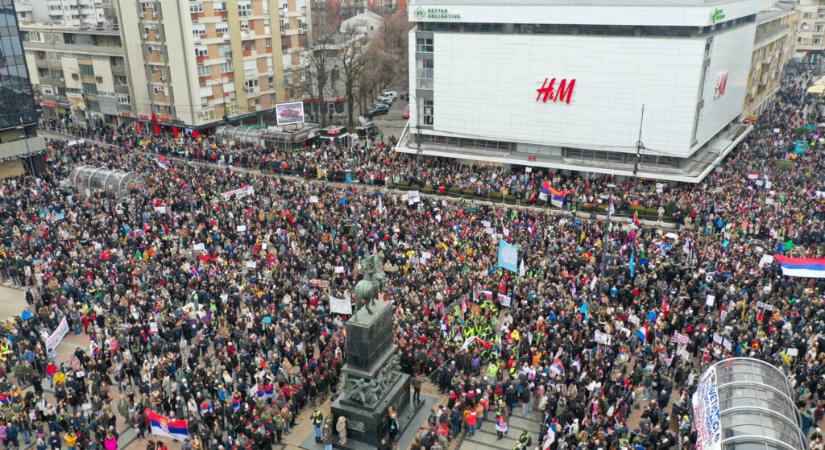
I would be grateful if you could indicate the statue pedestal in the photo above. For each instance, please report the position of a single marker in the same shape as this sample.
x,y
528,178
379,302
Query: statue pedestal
x,y
370,356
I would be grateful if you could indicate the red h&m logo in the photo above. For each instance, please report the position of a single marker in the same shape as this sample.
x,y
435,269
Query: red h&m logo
x,y
549,91
721,85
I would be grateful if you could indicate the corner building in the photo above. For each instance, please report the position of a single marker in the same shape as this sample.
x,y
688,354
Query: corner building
x,y
560,84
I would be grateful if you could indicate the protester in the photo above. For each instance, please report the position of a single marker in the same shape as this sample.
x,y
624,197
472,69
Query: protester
x,y
216,309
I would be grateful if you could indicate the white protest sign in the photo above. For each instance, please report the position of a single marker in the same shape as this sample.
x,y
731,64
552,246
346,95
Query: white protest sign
x,y
766,259
59,333
241,228
764,306
200,247
633,319
238,193
681,338
313,199
504,300
340,305
339,269
717,338
792,352
602,338
727,344
252,264
709,301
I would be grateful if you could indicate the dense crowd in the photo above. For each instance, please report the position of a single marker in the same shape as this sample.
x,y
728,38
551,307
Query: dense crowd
x,y
192,300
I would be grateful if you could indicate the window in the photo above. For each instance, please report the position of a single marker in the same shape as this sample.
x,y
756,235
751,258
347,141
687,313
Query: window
x,y
86,70
244,8
251,85
818,28
195,8
47,90
119,80
808,15
218,6
57,74
800,40
159,90
425,73
204,71
148,5
817,40
244,27
90,88
302,25
283,27
54,56
202,51
94,106
221,27
123,99
198,30
227,67
424,45
68,38
268,42
428,112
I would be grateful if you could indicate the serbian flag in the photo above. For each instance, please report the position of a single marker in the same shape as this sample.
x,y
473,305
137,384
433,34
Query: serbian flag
x,y
801,267
236,403
162,162
269,390
557,368
166,427
577,363
476,339
544,191
641,333
557,197
5,398
206,407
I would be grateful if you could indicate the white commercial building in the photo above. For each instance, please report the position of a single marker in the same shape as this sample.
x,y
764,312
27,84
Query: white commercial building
x,y
561,83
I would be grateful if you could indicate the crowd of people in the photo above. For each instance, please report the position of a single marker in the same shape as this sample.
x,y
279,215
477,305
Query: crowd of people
x,y
215,309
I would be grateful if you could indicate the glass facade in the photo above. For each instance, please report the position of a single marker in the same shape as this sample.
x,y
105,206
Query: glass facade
x,y
16,97
756,404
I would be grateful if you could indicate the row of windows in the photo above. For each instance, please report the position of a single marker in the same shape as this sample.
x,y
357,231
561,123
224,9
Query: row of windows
x,y
466,143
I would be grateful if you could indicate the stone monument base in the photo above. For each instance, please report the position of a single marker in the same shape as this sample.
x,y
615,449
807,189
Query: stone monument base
x,y
370,425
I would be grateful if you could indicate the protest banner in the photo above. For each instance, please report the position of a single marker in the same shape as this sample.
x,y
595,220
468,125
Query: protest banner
x,y
57,336
340,305
238,193
706,412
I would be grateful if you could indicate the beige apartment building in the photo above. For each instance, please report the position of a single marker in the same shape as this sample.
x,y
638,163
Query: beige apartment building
x,y
194,63
811,30
773,47
78,72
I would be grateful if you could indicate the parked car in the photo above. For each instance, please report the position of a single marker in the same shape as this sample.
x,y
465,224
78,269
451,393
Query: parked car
x,y
406,113
368,129
378,109
385,99
392,94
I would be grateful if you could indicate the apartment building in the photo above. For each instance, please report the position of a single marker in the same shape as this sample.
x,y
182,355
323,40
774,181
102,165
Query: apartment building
x,y
811,30
296,32
20,147
227,58
69,13
78,72
773,47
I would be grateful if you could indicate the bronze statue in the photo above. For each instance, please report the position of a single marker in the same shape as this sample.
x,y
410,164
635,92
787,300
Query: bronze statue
x,y
373,282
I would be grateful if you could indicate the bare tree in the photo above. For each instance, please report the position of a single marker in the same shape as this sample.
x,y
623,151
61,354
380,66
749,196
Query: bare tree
x,y
320,61
353,61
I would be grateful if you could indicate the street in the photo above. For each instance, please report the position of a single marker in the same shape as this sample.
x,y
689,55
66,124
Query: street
x,y
392,124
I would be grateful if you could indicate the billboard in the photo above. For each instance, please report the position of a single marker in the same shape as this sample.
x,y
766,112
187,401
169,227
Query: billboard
x,y
588,91
706,416
289,113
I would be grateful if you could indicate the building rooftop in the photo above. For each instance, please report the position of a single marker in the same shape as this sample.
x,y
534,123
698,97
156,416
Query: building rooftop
x,y
58,28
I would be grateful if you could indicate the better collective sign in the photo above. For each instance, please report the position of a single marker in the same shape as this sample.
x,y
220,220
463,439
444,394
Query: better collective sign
x,y
553,90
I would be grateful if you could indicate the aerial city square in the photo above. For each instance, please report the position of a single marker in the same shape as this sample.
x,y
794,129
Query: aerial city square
x,y
412,224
